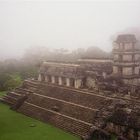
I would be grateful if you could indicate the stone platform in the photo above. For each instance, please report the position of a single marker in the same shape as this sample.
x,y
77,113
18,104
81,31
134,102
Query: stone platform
x,y
74,110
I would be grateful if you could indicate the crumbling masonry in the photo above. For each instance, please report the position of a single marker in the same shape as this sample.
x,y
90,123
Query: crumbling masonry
x,y
91,98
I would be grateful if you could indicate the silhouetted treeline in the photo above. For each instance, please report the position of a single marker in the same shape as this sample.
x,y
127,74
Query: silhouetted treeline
x,y
39,54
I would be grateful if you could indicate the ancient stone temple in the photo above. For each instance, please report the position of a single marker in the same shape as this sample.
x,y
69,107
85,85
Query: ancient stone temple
x,y
88,98
126,57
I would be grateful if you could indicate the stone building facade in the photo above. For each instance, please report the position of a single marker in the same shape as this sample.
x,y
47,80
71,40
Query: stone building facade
x,y
70,75
126,58
90,73
122,71
85,74
68,96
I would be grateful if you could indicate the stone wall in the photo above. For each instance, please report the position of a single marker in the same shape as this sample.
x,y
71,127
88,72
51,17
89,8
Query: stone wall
x,y
127,58
63,107
137,70
90,100
90,82
127,71
133,81
116,57
137,57
115,70
128,46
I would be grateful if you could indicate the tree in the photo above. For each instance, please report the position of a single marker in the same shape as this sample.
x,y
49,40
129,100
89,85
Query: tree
x,y
9,82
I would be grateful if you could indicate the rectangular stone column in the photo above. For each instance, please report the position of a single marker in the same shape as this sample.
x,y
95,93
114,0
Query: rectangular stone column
x,y
59,80
77,83
46,78
52,79
39,78
67,82
104,75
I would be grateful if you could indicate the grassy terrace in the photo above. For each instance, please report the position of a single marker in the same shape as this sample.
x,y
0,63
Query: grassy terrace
x,y
15,126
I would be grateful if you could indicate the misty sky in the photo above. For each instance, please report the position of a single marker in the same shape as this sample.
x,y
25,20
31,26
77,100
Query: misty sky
x,y
59,24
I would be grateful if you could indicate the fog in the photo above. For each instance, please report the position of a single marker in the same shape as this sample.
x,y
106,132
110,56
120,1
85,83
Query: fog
x,y
64,24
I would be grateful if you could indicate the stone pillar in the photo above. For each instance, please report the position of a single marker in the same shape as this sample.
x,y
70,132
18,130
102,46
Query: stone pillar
x,y
52,79
104,75
39,77
59,80
46,78
77,83
138,135
67,82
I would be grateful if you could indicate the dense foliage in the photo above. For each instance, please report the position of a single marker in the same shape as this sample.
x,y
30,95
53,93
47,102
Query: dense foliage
x,y
13,72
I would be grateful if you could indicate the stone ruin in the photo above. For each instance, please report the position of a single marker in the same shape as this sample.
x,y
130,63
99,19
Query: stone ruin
x,y
91,98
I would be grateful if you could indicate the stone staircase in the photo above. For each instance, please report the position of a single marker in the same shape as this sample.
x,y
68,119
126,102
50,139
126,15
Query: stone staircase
x,y
65,122
69,109
8,99
15,97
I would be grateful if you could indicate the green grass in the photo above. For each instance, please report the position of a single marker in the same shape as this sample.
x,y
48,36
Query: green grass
x,y
15,126
113,137
2,93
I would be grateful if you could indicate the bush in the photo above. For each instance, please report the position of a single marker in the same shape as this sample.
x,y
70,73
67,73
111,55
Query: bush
x,y
3,78
9,81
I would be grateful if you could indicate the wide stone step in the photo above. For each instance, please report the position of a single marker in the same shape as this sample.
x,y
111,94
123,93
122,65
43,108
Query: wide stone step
x,y
104,95
9,100
25,90
30,84
14,94
75,96
63,107
67,123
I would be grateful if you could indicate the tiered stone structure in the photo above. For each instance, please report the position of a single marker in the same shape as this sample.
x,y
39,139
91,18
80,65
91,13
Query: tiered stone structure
x,y
68,96
84,113
126,57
